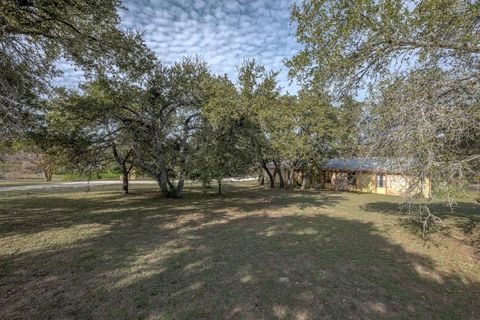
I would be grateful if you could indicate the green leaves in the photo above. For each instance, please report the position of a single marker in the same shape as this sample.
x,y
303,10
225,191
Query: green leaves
x,y
421,61
35,34
347,42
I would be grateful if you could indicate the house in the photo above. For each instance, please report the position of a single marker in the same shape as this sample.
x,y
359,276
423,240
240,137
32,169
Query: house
x,y
372,175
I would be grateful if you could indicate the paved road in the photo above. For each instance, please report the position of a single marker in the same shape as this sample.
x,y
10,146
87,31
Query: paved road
x,y
78,184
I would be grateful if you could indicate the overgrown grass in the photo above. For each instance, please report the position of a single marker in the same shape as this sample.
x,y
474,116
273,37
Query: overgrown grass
x,y
250,254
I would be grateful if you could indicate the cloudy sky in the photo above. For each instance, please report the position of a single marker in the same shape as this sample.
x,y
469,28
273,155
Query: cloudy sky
x,y
221,32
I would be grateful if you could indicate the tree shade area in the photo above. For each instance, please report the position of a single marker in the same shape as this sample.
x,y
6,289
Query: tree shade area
x,y
252,253
388,103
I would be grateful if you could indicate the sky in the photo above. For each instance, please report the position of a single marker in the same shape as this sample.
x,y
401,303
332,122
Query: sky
x,y
223,33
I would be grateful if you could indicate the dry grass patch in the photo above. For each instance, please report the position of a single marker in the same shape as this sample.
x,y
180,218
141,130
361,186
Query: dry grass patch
x,y
250,254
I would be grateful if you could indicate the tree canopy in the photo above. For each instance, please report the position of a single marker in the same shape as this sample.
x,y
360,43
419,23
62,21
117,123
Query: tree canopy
x,y
422,62
34,35
347,42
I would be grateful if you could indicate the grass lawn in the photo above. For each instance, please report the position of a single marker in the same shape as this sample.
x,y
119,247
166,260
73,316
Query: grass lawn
x,y
251,254
23,182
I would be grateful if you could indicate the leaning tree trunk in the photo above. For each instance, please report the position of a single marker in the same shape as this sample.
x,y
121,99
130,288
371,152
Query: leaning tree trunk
x,y
158,172
181,179
180,185
270,176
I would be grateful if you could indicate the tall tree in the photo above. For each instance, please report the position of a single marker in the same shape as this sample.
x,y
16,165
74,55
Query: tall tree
x,y
258,94
432,132
86,128
165,121
34,35
318,132
429,51
223,146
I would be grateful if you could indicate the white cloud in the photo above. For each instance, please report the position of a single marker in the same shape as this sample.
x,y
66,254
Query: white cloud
x,y
221,32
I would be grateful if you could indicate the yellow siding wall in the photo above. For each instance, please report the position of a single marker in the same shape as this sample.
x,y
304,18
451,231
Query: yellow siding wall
x,y
395,184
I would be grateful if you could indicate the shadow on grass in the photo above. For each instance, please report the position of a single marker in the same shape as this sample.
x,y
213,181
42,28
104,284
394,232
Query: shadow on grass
x,y
36,212
264,261
465,215
467,210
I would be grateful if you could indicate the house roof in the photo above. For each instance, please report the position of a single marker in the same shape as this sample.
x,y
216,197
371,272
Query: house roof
x,y
363,164
353,164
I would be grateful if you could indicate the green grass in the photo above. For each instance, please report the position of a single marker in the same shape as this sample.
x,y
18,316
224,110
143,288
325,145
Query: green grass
x,y
105,175
251,254
26,182
59,179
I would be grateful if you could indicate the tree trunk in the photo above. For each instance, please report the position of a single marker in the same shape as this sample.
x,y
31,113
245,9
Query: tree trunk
x,y
124,180
290,178
48,173
305,180
163,184
122,163
261,179
180,185
272,180
291,175
280,174
183,157
219,187
159,172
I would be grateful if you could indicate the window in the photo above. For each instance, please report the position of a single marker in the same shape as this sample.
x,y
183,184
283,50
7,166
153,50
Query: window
x,y
328,177
381,180
352,178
